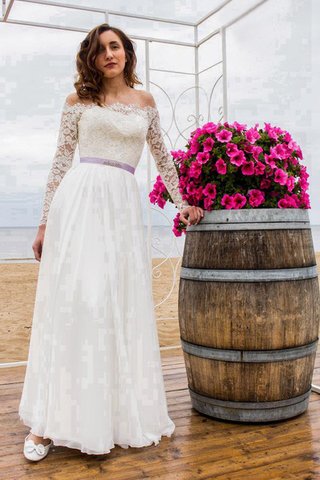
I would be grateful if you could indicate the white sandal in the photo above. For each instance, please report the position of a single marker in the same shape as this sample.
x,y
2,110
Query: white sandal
x,y
35,452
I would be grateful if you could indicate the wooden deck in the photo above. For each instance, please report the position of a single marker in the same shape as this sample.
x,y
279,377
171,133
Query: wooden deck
x,y
200,447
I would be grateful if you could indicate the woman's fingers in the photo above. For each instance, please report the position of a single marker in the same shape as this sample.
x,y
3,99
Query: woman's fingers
x,y
191,215
183,219
37,244
195,215
36,247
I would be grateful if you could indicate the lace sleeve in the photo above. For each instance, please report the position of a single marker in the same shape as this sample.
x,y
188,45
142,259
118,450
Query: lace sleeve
x,y
163,159
62,160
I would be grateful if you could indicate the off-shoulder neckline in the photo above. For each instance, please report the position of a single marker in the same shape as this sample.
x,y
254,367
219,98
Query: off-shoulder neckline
x,y
112,105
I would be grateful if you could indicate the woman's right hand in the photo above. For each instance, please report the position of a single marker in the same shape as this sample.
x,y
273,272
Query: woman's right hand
x,y
191,215
38,243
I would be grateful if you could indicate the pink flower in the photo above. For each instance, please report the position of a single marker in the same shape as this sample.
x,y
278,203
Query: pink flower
x,y
259,168
271,131
252,135
282,203
231,149
278,151
176,226
286,150
299,153
183,169
238,159
269,160
153,196
305,200
161,202
210,127
290,183
265,183
303,184
210,190
203,157
239,126
159,185
195,169
294,146
303,172
207,203
221,166
183,181
191,188
293,161
247,168
227,201
256,150
280,176
198,194
289,201
247,147
179,155
239,200
224,136
194,148
177,232
256,197
208,144
287,137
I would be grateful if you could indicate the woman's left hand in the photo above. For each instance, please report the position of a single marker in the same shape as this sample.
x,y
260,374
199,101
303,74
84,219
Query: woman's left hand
x,y
191,215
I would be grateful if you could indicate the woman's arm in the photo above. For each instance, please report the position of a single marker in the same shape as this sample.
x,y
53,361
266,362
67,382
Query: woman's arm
x,y
163,159
63,157
188,214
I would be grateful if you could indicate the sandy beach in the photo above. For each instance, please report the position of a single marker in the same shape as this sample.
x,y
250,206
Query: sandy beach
x,y
17,295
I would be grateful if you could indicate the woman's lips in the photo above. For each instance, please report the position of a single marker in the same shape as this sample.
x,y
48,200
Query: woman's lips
x,y
110,65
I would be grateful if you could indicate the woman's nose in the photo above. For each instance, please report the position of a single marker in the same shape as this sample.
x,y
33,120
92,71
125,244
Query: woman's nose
x,y
108,54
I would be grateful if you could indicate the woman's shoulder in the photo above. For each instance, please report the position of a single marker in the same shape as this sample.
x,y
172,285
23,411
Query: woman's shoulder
x,y
73,99
146,99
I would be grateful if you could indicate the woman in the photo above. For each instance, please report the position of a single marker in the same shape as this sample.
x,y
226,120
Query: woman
x,y
93,377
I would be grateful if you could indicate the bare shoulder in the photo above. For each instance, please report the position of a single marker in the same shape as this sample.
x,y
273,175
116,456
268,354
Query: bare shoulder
x,y
147,99
73,99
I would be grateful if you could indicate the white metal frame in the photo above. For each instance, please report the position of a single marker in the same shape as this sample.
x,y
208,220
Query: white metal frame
x,y
6,10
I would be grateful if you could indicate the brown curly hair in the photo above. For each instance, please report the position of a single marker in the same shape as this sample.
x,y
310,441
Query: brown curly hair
x,y
88,83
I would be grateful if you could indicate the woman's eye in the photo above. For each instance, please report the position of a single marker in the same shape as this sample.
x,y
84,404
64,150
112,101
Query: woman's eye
x,y
101,49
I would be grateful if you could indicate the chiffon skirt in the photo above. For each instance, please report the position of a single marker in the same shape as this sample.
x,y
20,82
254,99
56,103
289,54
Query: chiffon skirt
x,y
94,376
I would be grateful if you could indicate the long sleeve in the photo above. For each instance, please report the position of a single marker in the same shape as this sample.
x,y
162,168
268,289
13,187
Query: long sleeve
x,y
163,159
62,160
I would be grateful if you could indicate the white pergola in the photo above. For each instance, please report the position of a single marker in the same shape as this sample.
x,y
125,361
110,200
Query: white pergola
x,y
192,35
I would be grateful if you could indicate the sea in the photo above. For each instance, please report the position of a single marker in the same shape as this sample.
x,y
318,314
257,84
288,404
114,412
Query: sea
x,y
16,243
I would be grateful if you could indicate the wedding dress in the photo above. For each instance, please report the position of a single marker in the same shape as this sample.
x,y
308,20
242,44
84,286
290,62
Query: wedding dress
x,y
94,377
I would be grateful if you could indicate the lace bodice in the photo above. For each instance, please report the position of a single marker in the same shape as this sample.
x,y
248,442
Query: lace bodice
x,y
116,131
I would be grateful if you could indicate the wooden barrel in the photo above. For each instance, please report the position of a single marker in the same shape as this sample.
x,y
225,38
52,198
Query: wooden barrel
x,y
249,313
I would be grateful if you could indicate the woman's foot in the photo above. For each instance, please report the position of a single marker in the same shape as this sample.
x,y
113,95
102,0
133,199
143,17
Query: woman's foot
x,y
35,447
37,440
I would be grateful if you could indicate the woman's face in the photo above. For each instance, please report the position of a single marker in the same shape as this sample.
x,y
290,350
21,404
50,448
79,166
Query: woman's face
x,y
111,51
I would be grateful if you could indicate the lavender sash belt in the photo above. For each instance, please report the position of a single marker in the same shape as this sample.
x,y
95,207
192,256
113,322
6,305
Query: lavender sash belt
x,y
107,161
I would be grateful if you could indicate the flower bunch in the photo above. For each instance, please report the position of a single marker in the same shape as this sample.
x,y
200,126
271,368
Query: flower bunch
x,y
230,166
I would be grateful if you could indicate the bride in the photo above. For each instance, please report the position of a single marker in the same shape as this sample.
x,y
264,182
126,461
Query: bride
x,y
93,378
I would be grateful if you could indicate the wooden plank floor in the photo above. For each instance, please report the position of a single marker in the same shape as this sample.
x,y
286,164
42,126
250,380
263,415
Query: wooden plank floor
x,y
200,447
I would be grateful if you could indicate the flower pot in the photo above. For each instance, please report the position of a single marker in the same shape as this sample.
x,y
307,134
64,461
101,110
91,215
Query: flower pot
x,y
249,313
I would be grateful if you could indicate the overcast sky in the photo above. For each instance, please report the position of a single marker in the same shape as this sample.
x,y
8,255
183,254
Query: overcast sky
x,y
272,76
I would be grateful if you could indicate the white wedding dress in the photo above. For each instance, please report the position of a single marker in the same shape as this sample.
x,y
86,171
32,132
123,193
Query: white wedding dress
x,y
94,376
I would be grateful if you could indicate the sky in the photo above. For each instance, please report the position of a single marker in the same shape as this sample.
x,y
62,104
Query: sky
x,y
272,76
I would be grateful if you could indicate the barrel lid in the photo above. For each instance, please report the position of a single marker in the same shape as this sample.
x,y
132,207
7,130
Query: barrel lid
x,y
256,215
